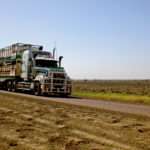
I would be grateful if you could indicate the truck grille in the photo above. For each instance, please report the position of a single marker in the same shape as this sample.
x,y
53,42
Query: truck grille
x,y
58,83
59,80
59,75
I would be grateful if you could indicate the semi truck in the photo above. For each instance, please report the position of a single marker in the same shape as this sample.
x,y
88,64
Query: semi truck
x,y
27,67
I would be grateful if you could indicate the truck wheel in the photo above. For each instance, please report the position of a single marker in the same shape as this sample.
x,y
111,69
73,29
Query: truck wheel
x,y
14,86
37,89
9,85
0,85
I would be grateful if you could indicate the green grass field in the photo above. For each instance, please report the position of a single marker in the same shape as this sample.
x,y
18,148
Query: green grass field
x,y
137,91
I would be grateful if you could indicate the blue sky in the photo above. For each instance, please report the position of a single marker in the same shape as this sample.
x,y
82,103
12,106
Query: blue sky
x,y
102,39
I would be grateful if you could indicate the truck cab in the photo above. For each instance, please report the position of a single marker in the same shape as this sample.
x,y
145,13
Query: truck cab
x,y
48,72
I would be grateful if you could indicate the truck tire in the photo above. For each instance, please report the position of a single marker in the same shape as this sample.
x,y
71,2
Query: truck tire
x,y
1,85
9,85
14,86
37,88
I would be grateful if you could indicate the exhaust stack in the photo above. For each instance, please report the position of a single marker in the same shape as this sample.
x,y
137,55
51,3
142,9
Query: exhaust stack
x,y
54,51
60,60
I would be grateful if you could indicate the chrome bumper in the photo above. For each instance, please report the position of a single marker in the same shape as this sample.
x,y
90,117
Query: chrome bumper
x,y
56,88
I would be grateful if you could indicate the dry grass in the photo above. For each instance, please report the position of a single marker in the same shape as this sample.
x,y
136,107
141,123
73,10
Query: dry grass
x,y
30,124
129,91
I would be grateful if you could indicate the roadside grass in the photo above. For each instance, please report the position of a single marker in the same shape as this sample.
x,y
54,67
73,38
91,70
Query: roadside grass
x,y
134,91
122,97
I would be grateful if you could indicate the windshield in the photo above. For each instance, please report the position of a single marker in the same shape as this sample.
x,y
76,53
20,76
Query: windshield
x,y
46,63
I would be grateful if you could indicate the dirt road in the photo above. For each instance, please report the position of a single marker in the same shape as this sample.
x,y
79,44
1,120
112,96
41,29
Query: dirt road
x,y
137,109
36,123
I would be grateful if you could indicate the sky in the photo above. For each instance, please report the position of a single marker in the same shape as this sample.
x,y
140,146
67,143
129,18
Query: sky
x,y
99,39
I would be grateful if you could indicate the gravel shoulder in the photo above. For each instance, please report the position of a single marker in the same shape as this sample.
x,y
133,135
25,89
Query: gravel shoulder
x,y
136,109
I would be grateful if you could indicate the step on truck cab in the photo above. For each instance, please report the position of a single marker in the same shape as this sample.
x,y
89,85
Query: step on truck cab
x,y
26,67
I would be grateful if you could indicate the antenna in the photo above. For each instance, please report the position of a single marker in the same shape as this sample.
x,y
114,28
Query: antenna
x,y
54,51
